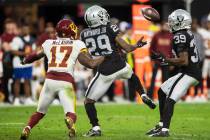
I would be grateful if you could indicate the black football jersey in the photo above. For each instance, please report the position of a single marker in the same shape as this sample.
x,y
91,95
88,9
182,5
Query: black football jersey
x,y
184,41
100,41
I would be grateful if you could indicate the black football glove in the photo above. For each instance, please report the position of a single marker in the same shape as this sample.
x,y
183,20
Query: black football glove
x,y
141,43
159,57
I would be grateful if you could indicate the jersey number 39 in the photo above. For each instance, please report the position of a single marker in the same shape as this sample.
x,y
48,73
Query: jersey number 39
x,y
182,39
66,50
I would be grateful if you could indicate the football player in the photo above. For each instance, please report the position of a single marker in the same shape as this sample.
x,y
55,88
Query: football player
x,y
62,54
103,38
187,63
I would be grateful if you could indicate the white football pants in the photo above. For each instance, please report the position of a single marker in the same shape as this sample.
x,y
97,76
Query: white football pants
x,y
177,86
51,89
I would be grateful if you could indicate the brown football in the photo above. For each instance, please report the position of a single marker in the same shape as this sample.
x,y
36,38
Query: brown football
x,y
150,14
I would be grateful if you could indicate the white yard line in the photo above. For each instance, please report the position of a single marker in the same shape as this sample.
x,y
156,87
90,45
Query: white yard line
x,y
187,136
80,103
15,123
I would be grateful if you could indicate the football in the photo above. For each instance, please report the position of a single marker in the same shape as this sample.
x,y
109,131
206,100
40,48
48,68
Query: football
x,y
150,14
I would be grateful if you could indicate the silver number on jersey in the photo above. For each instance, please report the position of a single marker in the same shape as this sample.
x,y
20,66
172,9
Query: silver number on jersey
x,y
114,28
180,39
93,44
106,45
194,58
102,45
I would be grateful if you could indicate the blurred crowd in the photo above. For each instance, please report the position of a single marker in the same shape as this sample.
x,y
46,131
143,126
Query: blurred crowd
x,y
21,84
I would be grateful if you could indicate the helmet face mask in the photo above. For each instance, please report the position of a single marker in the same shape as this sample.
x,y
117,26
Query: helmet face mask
x,y
179,20
96,16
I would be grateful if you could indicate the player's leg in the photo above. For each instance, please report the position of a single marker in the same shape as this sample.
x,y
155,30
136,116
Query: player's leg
x,y
27,88
96,89
16,91
139,88
165,90
45,99
27,91
68,100
27,76
178,89
18,74
127,73
162,93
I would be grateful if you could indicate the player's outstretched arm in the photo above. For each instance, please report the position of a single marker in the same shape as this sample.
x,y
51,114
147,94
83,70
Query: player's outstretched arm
x,y
85,59
33,57
18,53
182,60
127,47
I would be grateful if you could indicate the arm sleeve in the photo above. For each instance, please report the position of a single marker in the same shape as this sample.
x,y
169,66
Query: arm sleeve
x,y
113,30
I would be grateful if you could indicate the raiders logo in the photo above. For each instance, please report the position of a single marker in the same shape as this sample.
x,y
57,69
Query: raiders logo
x,y
180,18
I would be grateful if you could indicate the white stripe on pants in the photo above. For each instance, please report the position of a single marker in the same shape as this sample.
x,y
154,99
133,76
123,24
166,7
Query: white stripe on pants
x,y
101,83
177,86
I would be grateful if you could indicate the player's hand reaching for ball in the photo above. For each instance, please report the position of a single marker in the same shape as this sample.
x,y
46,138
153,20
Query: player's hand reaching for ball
x,y
141,43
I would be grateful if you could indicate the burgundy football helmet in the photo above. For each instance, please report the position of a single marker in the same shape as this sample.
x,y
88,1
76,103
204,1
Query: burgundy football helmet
x,y
66,28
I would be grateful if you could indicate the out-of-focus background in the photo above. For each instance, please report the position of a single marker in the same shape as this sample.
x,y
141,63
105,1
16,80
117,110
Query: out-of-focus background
x,y
26,24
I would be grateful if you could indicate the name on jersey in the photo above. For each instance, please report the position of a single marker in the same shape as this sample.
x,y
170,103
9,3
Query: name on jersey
x,y
62,42
94,32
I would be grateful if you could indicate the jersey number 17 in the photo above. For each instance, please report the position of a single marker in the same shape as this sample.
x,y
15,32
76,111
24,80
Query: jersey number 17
x,y
66,50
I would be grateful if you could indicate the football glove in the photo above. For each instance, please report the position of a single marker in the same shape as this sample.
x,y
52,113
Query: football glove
x,y
141,43
159,57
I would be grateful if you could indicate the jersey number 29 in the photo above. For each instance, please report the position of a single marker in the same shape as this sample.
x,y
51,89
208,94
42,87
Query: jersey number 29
x,y
92,43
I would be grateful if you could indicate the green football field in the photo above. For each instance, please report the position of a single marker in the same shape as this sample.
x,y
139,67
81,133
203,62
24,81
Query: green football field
x,y
118,122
